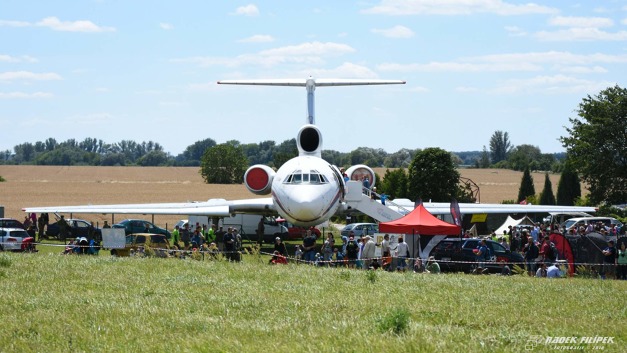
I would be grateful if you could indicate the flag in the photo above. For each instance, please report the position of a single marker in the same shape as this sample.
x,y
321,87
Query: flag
x,y
456,213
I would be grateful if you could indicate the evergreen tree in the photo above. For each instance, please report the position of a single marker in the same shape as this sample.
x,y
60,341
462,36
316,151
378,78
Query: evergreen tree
x,y
568,188
526,186
547,197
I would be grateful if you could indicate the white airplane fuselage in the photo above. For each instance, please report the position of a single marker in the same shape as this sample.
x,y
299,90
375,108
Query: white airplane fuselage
x,y
307,190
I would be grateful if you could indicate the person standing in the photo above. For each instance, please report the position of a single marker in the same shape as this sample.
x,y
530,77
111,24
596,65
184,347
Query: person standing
x,y
309,247
229,244
621,262
185,236
327,248
402,251
352,250
609,260
385,252
261,229
530,252
176,236
367,254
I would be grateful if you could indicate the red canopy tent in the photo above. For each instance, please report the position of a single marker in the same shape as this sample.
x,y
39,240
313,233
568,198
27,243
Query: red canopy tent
x,y
419,221
425,230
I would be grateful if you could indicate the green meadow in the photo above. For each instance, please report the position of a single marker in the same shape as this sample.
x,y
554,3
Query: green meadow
x,y
55,303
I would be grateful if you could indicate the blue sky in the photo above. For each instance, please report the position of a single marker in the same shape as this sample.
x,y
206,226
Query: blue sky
x,y
147,70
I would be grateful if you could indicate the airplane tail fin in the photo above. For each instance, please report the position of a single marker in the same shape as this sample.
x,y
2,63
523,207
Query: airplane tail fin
x,y
310,84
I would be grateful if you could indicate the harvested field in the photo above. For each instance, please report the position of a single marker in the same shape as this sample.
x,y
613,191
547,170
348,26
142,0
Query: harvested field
x,y
63,185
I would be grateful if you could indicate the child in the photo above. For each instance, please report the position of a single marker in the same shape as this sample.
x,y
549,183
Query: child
x,y
298,254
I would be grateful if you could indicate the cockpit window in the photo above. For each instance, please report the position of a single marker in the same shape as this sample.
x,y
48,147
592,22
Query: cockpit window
x,y
311,177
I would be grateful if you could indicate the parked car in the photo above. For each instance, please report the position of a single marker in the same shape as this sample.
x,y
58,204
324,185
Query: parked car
x,y
157,242
574,223
77,228
360,229
132,226
455,249
15,239
11,223
296,232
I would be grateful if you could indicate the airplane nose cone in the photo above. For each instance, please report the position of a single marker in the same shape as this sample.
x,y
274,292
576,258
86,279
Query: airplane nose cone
x,y
307,208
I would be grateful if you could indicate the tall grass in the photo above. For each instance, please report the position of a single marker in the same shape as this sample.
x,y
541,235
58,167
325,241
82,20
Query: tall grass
x,y
57,303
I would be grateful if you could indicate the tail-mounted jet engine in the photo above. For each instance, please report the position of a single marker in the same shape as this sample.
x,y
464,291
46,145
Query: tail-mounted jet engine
x,y
360,172
258,179
309,141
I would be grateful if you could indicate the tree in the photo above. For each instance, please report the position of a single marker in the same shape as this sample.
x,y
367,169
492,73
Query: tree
x,y
524,156
394,183
432,176
194,152
597,145
223,164
569,187
526,186
547,197
484,162
500,146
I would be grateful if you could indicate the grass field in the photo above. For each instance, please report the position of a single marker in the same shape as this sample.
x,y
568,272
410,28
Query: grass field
x,y
54,303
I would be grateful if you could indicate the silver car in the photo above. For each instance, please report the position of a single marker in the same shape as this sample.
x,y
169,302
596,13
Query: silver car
x,y
11,239
360,229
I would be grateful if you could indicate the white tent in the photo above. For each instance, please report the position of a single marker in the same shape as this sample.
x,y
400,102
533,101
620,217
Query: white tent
x,y
513,222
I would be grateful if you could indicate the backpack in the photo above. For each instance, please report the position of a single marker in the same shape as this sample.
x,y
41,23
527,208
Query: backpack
x,y
351,247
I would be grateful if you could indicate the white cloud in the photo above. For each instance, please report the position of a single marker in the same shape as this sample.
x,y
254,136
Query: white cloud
x,y
17,59
57,25
22,95
248,10
581,21
624,21
515,31
308,53
72,26
310,48
346,70
166,26
581,34
551,85
517,62
395,32
455,7
459,67
27,75
8,23
258,38
583,69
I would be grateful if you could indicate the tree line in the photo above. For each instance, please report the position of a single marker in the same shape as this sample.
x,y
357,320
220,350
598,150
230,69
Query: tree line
x,y
96,152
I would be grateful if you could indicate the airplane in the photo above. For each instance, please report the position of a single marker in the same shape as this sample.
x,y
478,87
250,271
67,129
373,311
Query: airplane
x,y
306,190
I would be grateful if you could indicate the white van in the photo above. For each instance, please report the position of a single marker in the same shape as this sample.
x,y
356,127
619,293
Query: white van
x,y
575,223
246,224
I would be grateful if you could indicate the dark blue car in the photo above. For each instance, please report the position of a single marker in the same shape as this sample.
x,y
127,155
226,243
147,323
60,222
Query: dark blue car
x,y
132,226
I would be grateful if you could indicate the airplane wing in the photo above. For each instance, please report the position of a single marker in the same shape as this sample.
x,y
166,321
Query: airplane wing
x,y
211,208
437,208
